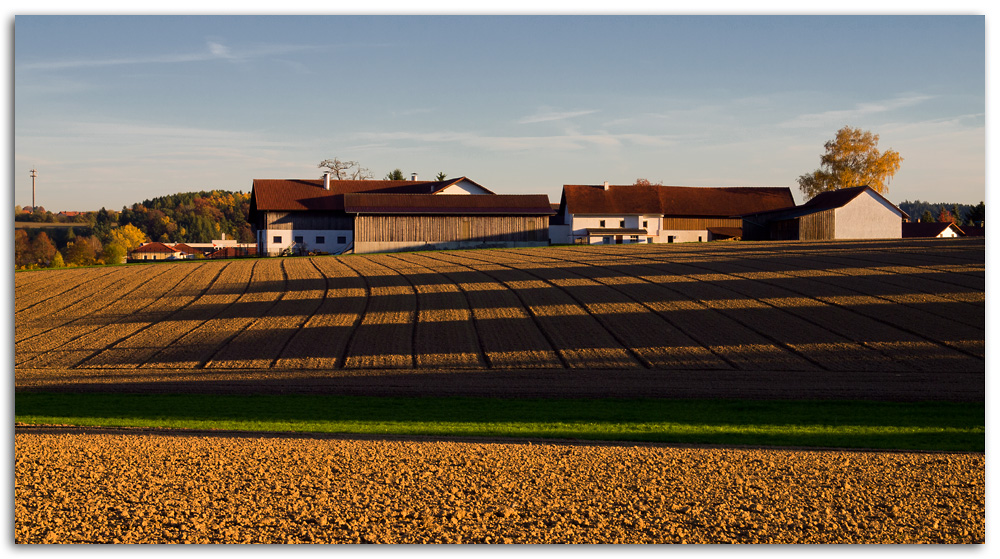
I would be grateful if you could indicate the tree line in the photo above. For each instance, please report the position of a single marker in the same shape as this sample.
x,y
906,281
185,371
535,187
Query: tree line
x,y
959,214
106,236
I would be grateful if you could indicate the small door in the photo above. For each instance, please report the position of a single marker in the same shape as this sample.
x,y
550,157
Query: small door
x,y
618,239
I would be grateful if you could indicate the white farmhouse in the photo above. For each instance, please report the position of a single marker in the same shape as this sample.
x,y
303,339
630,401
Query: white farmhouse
x,y
648,213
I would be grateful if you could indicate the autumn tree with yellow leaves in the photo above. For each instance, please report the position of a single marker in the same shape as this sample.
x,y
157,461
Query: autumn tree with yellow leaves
x,y
852,159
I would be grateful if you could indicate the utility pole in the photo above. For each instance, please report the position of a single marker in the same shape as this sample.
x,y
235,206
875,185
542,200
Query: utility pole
x,y
34,174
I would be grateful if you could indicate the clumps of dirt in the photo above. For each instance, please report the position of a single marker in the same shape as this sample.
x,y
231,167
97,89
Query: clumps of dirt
x,y
150,488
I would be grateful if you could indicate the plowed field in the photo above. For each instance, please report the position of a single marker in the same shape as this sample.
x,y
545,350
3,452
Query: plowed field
x,y
881,320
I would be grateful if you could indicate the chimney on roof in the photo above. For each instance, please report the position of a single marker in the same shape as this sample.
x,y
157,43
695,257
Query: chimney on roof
x,y
606,185
413,177
326,180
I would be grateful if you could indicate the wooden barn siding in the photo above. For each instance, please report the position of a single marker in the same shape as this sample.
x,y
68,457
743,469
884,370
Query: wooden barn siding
x,y
307,220
817,226
696,223
398,228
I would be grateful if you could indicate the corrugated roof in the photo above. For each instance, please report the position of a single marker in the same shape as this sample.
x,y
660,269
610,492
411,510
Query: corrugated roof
x,y
372,203
309,194
681,201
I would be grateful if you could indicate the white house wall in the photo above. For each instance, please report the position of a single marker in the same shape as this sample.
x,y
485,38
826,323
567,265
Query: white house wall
x,y
273,241
580,224
868,217
462,187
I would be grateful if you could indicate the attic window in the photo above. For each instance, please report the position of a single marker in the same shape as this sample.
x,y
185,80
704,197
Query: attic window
x,y
621,223
601,223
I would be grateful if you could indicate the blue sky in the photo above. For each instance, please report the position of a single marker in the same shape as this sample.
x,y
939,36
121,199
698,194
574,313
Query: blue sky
x,y
114,110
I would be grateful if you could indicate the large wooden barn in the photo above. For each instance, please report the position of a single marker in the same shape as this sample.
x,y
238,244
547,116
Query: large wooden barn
x,y
622,214
336,216
849,213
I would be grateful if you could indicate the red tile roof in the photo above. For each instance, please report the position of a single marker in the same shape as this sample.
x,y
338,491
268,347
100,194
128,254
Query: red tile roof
x,y
479,204
156,247
186,249
309,194
683,201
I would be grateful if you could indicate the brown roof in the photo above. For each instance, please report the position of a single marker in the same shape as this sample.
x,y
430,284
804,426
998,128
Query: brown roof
x,y
839,198
973,231
674,200
534,204
309,194
186,249
156,247
913,230
233,252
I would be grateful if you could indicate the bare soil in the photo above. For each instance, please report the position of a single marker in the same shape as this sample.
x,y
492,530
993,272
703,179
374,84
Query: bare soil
x,y
152,488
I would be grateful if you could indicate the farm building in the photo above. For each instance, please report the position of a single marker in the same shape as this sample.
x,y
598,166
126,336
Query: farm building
x,y
157,251
944,229
621,214
849,213
337,216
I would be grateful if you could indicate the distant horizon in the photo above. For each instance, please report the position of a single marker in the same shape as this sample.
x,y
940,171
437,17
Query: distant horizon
x,y
113,110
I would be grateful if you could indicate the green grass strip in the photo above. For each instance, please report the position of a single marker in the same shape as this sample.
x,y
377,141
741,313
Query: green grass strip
x,y
849,424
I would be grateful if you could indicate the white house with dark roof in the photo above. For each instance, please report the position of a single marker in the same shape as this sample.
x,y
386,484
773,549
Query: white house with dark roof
x,y
337,216
635,213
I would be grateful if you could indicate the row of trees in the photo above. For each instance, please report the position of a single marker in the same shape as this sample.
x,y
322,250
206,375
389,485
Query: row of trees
x,y
39,250
108,236
959,214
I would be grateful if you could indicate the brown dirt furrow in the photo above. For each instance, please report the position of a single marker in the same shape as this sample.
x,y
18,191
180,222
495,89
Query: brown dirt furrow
x,y
656,341
187,339
47,317
510,339
64,295
259,345
445,334
151,488
321,341
581,340
32,286
384,337
111,321
160,323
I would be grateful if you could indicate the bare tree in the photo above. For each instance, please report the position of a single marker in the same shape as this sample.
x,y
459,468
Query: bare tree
x,y
345,170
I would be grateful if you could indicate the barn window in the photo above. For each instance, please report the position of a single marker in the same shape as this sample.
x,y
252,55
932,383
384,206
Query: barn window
x,y
645,224
341,240
298,239
635,238
320,240
607,240
621,223
601,223
276,240
649,240
670,238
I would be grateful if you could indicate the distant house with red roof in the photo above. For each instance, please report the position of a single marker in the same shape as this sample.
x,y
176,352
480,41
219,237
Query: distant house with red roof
x,y
848,213
335,216
649,213
156,251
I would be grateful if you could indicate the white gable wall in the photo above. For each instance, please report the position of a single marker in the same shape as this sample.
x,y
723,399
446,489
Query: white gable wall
x,y
463,186
868,217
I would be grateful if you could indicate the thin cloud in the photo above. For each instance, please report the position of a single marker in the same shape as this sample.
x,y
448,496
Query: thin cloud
x,y
549,116
213,51
566,142
827,118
